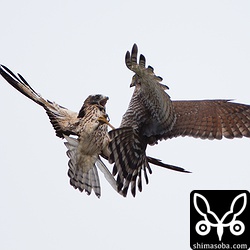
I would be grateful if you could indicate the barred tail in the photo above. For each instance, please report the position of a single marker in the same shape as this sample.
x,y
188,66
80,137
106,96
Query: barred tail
x,y
83,181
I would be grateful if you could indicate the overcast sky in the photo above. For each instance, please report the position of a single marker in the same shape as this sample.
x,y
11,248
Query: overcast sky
x,y
67,50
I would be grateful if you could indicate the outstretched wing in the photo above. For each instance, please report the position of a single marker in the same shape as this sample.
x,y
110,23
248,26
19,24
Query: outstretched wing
x,y
150,109
210,119
146,74
63,120
129,155
149,116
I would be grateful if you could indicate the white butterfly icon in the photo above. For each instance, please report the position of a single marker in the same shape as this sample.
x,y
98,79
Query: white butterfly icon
x,y
203,227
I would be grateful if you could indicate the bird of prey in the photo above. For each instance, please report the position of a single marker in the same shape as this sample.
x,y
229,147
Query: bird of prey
x,y
89,126
153,116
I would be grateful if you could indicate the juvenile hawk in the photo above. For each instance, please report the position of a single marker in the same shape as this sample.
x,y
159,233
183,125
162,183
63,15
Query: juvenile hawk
x,y
89,126
152,116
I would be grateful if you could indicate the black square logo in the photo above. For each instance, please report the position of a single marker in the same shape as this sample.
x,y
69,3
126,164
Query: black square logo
x,y
220,219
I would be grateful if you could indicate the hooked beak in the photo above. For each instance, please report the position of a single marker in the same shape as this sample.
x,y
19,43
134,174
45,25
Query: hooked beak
x,y
104,101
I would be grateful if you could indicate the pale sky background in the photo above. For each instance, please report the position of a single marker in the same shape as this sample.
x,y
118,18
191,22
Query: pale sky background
x,y
69,49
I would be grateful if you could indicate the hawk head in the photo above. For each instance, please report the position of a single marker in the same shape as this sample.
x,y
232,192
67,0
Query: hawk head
x,y
99,100
96,99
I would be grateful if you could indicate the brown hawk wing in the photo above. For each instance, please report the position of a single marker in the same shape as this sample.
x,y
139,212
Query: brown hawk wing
x,y
150,109
210,119
153,116
63,120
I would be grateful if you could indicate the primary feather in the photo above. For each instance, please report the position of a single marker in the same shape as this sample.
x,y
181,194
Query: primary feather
x,y
153,116
92,135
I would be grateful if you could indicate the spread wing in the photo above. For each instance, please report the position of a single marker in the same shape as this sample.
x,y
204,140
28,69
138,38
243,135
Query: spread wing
x,y
146,74
82,170
149,116
63,120
210,119
150,108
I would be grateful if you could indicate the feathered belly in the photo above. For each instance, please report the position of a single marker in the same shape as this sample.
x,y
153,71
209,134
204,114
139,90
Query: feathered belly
x,y
89,148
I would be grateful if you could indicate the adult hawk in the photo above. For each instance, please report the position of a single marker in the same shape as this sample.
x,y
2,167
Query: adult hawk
x,y
153,116
90,126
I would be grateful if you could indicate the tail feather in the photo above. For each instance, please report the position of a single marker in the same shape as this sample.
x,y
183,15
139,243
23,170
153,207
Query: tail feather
x,y
158,162
108,176
83,181
94,181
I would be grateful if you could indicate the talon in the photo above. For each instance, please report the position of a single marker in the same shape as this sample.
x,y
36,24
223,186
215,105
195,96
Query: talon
x,y
103,119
